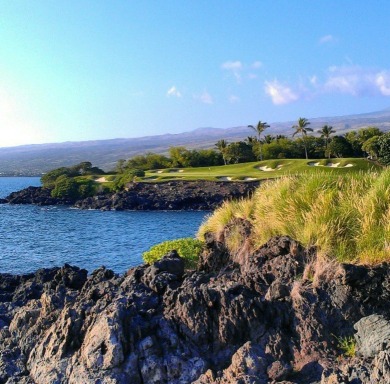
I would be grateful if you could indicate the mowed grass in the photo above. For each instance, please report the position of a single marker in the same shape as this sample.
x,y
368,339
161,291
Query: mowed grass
x,y
347,216
260,170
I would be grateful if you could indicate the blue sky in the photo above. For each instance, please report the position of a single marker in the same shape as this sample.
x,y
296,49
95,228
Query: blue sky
x,y
86,70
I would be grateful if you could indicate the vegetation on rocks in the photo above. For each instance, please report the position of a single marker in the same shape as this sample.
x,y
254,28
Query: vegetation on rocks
x,y
188,248
128,176
347,217
72,182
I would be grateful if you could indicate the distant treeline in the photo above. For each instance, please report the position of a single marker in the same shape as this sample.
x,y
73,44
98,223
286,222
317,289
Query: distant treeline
x,y
364,142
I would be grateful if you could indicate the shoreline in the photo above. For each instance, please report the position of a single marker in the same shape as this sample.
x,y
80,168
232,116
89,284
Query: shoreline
x,y
171,195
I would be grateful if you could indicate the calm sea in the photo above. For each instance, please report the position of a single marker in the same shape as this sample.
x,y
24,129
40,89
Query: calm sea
x,y
33,237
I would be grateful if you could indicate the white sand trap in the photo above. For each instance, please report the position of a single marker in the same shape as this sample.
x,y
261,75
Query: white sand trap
x,y
224,178
331,165
159,171
250,178
175,170
348,165
101,180
266,169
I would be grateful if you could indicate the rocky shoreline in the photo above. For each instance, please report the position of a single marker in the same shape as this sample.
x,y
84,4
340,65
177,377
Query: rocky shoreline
x,y
279,315
172,195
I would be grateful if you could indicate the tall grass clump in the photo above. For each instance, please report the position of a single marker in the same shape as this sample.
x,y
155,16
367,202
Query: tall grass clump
x,y
346,216
224,215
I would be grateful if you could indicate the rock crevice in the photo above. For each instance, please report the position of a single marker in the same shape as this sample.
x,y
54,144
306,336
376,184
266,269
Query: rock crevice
x,y
264,320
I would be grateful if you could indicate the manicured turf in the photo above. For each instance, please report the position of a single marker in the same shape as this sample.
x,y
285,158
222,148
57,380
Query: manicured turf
x,y
260,170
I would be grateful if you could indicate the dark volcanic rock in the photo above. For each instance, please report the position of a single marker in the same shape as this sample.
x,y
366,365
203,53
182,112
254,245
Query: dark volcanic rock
x,y
173,195
36,195
259,320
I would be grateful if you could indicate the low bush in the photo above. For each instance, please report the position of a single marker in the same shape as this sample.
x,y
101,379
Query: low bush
x,y
348,345
188,248
129,176
73,188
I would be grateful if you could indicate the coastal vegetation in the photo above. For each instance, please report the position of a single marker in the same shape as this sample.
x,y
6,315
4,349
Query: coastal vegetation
x,y
188,248
325,144
346,216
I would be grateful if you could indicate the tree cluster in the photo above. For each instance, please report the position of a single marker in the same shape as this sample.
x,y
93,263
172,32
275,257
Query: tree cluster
x,y
364,142
65,182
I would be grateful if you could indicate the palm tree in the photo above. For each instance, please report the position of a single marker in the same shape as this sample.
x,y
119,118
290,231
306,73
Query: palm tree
x,y
302,128
259,129
326,131
222,145
269,139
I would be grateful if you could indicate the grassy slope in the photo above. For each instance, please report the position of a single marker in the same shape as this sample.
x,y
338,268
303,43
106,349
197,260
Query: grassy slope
x,y
346,216
252,170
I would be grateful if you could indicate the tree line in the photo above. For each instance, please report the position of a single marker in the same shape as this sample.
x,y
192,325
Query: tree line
x,y
303,144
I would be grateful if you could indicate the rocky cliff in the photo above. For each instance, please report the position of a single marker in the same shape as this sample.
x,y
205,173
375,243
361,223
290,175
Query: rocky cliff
x,y
281,314
173,195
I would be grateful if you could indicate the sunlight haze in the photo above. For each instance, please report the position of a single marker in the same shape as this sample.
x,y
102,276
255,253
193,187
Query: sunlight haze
x,y
88,70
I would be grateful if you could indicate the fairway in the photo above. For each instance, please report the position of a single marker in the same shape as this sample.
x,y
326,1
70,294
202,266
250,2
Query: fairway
x,y
260,170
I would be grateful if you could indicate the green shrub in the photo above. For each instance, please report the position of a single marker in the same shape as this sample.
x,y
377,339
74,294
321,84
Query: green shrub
x,y
73,188
383,143
188,248
65,186
127,177
49,179
348,345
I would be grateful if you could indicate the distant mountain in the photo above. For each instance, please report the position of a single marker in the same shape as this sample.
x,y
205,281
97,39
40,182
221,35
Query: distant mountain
x,y
38,158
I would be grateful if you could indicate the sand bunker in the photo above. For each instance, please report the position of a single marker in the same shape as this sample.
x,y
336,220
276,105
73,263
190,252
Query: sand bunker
x,y
331,165
250,178
224,178
266,168
175,170
101,180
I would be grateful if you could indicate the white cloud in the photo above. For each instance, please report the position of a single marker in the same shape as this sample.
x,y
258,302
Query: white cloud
x,y
313,80
240,70
358,81
232,65
349,79
173,91
279,93
235,67
327,39
233,99
205,98
383,82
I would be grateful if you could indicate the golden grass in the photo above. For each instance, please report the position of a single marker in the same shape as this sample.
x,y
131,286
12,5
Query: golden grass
x,y
346,216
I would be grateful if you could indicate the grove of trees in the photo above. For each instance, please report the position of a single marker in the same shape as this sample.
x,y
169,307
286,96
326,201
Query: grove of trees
x,y
369,141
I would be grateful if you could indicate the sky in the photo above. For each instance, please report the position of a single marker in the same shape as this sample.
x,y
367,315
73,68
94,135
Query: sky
x,y
90,70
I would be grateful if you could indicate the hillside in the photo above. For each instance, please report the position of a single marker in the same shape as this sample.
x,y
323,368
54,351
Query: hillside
x,y
39,158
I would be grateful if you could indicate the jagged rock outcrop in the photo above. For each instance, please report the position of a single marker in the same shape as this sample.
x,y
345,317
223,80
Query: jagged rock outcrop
x,y
278,315
172,195
35,195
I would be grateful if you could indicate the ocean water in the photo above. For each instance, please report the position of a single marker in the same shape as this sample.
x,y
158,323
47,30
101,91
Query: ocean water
x,y
33,237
